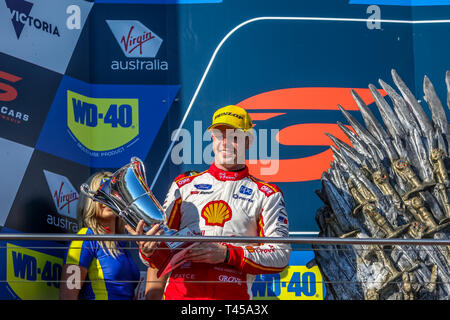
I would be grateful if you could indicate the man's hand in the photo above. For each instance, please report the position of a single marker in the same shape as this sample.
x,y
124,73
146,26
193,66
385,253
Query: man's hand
x,y
147,248
207,252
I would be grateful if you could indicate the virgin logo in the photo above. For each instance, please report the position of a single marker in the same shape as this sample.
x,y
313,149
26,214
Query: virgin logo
x,y
132,35
63,200
64,195
130,43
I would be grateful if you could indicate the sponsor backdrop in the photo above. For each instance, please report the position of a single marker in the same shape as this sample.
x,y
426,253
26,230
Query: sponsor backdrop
x,y
86,85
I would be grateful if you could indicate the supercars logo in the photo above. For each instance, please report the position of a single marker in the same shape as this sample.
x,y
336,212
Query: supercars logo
x,y
216,213
302,134
12,115
8,92
102,124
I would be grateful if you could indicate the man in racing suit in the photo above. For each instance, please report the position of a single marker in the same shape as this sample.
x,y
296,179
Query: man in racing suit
x,y
224,200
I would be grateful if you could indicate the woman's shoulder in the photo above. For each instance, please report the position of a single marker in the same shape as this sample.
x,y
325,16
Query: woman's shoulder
x,y
88,243
85,230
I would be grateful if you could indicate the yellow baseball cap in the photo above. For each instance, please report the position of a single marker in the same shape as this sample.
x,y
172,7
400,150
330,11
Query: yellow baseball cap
x,y
233,116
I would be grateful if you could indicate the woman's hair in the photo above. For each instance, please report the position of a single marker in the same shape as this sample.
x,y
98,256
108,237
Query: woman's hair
x,y
88,211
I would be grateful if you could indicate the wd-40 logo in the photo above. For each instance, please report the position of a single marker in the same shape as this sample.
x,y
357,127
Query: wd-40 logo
x,y
102,124
294,283
64,195
32,274
135,39
20,17
122,120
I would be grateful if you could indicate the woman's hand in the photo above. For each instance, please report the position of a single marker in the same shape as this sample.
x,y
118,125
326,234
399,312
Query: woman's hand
x,y
147,248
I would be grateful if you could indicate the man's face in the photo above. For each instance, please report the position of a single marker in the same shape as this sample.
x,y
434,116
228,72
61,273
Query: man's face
x,y
229,145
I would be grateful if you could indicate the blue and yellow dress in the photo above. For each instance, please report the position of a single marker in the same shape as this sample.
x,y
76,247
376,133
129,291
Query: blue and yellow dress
x,y
108,278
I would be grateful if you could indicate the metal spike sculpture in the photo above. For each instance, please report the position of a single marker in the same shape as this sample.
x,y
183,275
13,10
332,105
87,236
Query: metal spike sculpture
x,y
391,182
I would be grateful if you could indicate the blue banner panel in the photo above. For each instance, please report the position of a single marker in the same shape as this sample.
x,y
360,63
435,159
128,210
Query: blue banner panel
x,y
30,270
15,158
291,88
25,98
48,195
104,125
131,46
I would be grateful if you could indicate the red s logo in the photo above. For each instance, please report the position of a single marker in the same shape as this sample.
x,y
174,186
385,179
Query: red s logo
x,y
7,92
307,134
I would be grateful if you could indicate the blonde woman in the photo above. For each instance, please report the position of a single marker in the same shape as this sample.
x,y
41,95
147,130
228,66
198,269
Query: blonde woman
x,y
98,270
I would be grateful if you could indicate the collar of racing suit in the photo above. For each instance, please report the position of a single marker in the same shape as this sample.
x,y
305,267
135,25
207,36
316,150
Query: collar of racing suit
x,y
223,175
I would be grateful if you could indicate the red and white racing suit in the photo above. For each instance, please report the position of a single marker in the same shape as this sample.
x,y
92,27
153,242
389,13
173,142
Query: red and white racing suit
x,y
226,203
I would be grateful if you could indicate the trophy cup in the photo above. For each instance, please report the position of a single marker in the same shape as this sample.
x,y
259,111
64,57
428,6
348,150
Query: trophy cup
x,y
130,198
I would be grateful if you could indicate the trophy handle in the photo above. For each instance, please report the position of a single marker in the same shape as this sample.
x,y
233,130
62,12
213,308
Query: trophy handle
x,y
129,221
141,167
84,188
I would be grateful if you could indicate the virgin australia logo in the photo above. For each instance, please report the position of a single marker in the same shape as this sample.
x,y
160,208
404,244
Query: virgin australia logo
x,y
135,39
65,196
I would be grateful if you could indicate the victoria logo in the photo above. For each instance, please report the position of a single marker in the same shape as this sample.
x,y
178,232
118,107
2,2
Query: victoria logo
x,y
20,16
136,41
65,196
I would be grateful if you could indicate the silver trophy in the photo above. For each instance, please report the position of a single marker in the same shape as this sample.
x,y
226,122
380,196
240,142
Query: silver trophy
x,y
128,196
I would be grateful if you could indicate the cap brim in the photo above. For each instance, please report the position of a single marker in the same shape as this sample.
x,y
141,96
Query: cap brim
x,y
222,124
229,125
